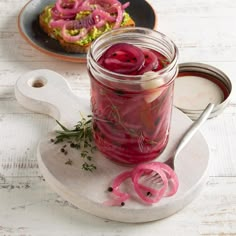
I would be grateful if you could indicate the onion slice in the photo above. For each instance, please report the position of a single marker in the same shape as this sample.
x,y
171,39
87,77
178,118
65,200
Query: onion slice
x,y
145,190
155,194
56,15
68,7
125,5
119,17
121,197
69,38
99,15
123,58
118,181
171,176
151,61
57,23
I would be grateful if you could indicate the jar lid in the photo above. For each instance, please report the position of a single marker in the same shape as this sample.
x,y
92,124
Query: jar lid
x,y
199,84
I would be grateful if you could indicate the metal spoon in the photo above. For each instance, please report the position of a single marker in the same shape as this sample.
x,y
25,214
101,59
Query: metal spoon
x,y
189,134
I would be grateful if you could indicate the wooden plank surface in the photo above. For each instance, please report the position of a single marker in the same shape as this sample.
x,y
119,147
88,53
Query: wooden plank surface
x,y
203,31
38,211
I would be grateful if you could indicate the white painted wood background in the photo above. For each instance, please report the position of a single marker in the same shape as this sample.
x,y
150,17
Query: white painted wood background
x,y
204,32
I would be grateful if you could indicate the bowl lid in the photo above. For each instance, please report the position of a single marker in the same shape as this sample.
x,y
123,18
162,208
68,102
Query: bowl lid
x,y
199,84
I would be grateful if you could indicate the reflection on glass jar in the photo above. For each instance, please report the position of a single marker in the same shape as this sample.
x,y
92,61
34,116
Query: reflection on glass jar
x,y
132,74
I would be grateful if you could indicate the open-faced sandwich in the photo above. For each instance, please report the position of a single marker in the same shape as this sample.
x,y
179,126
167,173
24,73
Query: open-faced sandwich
x,y
77,23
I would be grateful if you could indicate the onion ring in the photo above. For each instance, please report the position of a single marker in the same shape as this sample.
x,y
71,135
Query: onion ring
x,y
156,195
57,23
148,195
119,15
171,176
119,66
122,197
69,38
151,61
70,10
56,15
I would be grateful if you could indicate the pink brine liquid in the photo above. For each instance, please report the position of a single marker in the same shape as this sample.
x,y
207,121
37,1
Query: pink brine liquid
x,y
131,123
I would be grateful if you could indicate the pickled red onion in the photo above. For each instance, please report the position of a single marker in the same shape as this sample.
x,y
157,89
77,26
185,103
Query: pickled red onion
x,y
119,66
100,18
57,23
171,176
147,194
69,6
151,61
119,11
132,59
104,3
56,15
86,22
121,196
125,5
87,6
110,6
69,38
156,194
115,202
118,181
99,14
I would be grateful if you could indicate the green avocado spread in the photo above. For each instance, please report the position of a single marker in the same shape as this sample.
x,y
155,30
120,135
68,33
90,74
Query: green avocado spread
x,y
92,34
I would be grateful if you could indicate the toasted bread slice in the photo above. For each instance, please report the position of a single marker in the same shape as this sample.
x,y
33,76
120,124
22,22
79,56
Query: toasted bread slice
x,y
68,46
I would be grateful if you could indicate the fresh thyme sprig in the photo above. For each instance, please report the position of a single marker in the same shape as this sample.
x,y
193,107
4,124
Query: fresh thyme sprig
x,y
81,137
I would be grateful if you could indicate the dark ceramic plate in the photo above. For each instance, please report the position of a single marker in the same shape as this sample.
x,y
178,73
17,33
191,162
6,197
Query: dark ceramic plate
x,y
142,13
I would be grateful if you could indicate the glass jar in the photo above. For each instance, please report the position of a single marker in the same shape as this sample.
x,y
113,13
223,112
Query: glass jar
x,y
132,113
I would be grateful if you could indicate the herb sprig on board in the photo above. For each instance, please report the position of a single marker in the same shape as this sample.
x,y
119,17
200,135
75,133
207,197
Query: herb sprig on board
x,y
80,137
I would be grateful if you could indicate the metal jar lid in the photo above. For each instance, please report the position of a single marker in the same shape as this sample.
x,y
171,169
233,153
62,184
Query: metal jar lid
x,y
199,84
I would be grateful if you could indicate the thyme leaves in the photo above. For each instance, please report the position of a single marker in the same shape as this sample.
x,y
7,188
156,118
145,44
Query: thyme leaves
x,y
81,138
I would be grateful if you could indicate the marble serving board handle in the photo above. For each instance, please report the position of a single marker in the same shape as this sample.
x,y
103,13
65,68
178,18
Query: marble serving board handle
x,y
47,92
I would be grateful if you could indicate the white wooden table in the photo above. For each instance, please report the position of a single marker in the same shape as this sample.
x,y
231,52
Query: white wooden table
x,y
204,32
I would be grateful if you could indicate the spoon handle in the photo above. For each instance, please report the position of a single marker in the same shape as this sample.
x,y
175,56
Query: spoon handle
x,y
194,127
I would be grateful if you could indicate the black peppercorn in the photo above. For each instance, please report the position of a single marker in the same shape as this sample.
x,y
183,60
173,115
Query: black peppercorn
x,y
72,145
110,189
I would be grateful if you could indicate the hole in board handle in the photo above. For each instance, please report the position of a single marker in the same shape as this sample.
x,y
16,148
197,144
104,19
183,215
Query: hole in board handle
x,y
37,82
